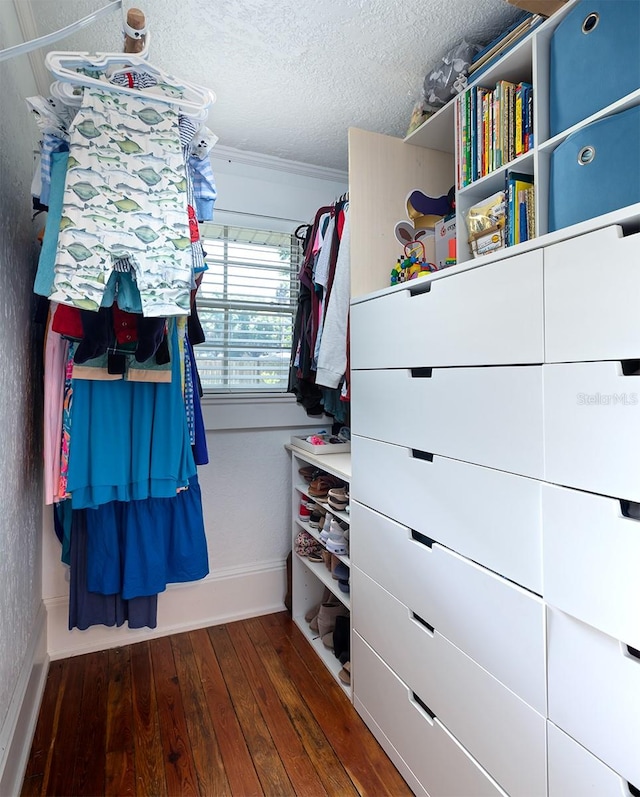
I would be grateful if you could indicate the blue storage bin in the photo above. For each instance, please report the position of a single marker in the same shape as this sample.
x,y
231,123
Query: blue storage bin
x,y
594,60
595,170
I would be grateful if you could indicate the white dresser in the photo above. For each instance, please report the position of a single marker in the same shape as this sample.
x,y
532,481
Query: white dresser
x,y
495,525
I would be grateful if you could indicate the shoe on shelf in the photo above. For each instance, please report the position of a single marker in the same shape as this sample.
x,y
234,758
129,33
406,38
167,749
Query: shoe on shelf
x,y
327,640
339,571
338,498
309,473
345,673
315,519
327,616
311,616
304,513
306,544
319,488
326,528
336,541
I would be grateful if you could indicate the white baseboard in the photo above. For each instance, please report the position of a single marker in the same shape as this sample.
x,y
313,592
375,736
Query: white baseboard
x,y
19,726
224,596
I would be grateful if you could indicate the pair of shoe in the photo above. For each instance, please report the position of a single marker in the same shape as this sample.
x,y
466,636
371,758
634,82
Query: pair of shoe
x,y
340,572
337,538
338,498
310,472
316,518
322,620
306,545
319,488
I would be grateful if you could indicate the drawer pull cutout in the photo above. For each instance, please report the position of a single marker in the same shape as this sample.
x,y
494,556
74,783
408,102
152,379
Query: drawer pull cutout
x,y
421,373
630,509
631,367
416,454
422,539
633,790
421,286
423,706
419,619
632,652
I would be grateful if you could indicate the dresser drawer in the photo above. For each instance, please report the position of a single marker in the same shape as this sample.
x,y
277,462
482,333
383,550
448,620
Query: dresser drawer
x,y
485,316
591,429
575,772
433,756
488,515
594,692
592,561
592,296
499,625
505,735
487,416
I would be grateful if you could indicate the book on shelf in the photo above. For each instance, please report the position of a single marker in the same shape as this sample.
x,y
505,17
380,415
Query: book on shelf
x,y
495,126
508,39
517,227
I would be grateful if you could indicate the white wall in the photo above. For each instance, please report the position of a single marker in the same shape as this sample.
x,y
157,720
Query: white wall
x,y
246,498
21,629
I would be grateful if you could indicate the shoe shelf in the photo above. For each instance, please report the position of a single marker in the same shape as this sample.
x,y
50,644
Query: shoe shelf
x,y
320,571
330,661
311,580
323,503
316,535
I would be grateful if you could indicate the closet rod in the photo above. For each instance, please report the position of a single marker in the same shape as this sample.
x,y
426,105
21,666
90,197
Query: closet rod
x,y
50,38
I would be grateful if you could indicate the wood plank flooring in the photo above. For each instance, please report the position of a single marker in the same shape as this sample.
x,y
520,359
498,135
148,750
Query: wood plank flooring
x,y
241,709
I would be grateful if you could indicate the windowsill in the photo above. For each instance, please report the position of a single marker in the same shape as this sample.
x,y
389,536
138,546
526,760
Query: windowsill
x,y
227,411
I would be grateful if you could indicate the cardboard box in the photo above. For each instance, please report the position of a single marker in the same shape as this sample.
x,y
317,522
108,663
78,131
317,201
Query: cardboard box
x,y
445,232
544,7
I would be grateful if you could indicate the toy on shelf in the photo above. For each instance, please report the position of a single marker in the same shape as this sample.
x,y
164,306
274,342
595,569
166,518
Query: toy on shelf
x,y
424,212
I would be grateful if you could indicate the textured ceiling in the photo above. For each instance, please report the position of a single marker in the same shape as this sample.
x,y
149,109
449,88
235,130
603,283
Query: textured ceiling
x,y
292,75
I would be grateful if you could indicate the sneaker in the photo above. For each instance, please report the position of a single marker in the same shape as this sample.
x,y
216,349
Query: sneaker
x,y
314,519
304,513
336,541
326,528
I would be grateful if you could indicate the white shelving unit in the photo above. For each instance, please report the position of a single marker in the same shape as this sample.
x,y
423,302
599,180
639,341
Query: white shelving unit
x,y
309,579
527,61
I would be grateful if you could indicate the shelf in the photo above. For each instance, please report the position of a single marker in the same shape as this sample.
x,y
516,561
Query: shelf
x,y
337,464
330,661
483,187
340,514
323,575
436,131
616,107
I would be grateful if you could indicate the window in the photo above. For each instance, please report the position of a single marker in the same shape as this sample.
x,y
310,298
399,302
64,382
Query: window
x,y
247,304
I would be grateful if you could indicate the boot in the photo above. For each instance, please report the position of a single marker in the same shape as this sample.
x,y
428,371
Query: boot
x,y
327,616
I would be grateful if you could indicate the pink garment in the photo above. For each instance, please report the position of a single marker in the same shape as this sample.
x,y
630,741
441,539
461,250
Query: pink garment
x,y
55,359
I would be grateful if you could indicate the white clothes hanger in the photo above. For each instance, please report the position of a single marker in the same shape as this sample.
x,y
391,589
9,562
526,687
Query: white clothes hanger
x,y
195,100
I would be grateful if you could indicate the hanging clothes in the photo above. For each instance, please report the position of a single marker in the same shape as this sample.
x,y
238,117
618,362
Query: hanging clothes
x,y
314,377
124,185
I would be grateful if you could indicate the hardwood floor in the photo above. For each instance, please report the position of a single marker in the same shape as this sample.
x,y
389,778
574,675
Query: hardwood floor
x,y
241,709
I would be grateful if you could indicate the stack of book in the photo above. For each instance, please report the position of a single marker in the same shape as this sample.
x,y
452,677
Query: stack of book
x,y
518,31
519,208
494,126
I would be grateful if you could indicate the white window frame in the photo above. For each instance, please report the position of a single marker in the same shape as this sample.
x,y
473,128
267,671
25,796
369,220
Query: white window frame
x,y
222,394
